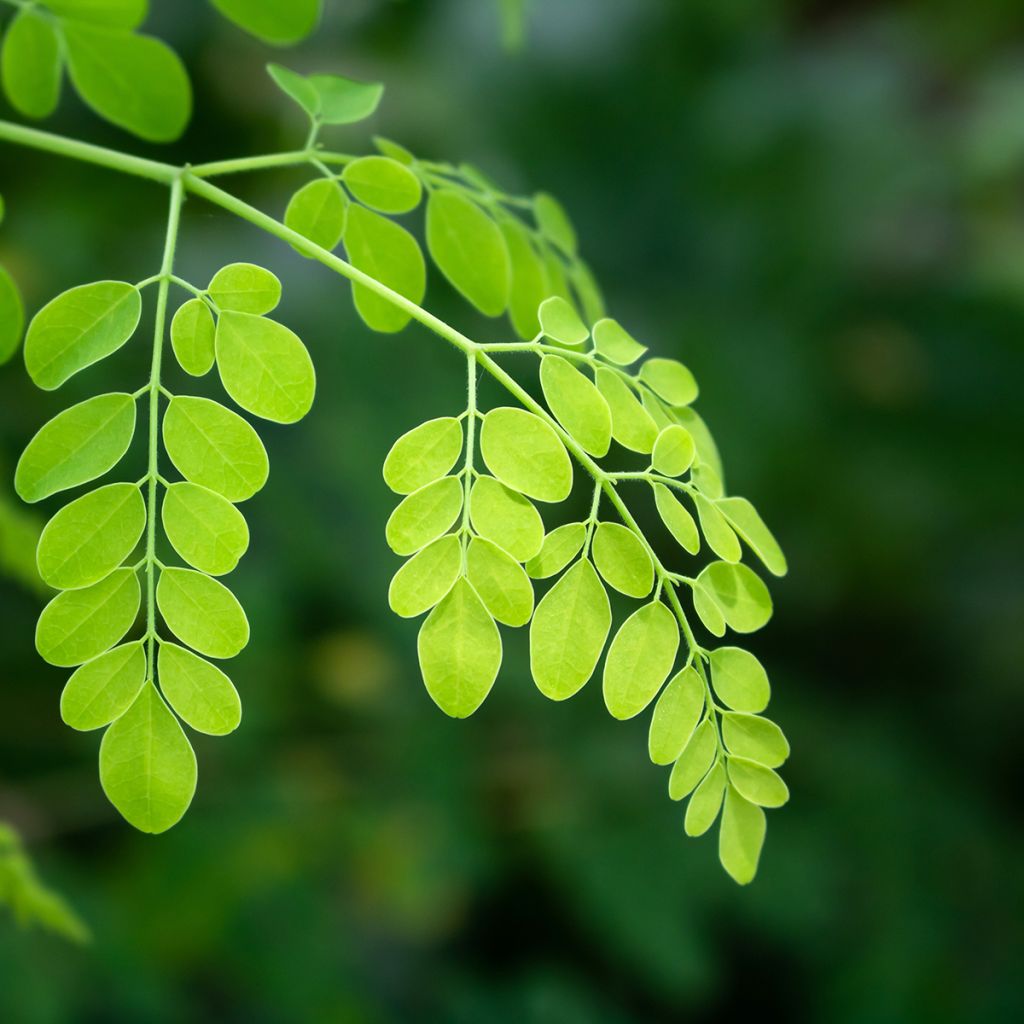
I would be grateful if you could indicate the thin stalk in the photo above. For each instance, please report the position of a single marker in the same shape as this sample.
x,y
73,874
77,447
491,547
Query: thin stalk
x,y
470,449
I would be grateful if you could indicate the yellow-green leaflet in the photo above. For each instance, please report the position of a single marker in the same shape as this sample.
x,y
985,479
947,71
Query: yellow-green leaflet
x,y
90,537
559,548
470,250
318,211
705,802
554,268
760,785
383,184
656,408
204,528
524,453
344,100
707,450
675,716
424,515
560,322
639,659
245,288
678,520
707,609
739,679
739,595
505,517
750,526
741,837
529,279
78,625
213,446
755,738
30,64
103,689
693,763
147,767
202,612
500,582
568,632
192,337
278,22
423,454
674,451
632,425
554,222
12,316
126,14
615,344
670,380
577,405
460,651
200,693
622,560
78,328
707,481
426,577
297,87
264,367
716,529
386,251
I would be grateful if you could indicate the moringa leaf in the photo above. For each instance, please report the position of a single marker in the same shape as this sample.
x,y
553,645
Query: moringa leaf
x,y
344,100
588,292
756,783
383,184
707,451
632,425
202,612
297,87
678,520
739,679
192,337
125,14
706,802
105,688
424,454
529,279
424,515
577,405
204,528
425,579
740,837
245,288
754,738
615,344
558,549
740,596
694,762
674,451
505,517
707,609
524,453
707,481
319,212
500,582
675,716
670,380
278,22
639,659
744,519
30,64
622,560
200,693
716,529
554,222
560,322
12,316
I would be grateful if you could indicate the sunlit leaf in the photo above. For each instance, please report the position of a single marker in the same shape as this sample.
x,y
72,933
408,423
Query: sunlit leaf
x,y
423,454
105,688
754,738
706,479
318,211
245,288
297,87
524,453
622,560
678,520
424,515
505,517
344,100
192,337
670,380
706,802
500,582
741,837
278,22
577,404
739,594
559,548
204,528
200,693
30,64
202,612
745,520
707,450
615,344
758,784
632,425
739,679
716,529
673,451
560,322
639,659
383,184
675,716
426,577
694,762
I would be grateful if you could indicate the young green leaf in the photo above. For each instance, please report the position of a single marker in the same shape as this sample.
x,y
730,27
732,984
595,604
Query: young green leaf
x,y
90,537
739,679
524,453
707,450
147,766
740,837
758,784
12,316
297,87
707,609
425,579
618,347
656,409
576,404
214,447
554,222
424,515
717,531
200,693
673,451
560,322
505,517
383,184
103,689
76,446
202,612
126,14
670,380
744,519
318,211
264,367
588,292
632,425
706,802
678,520
344,100
78,328
740,596
500,582
754,738
459,651
278,22
640,659
558,549
529,279
30,64
694,762
78,625
204,528
469,249
707,481
245,288
622,560
568,632
675,716
192,337
424,454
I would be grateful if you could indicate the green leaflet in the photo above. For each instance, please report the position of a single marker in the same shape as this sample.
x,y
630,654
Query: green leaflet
x,y
632,425
529,279
615,344
264,367
716,529
577,404
134,81
707,481
388,252
90,537
12,316
505,517
741,837
758,784
78,625
739,679
383,184
76,446
754,738
554,269
387,147
656,408
245,288
706,802
694,762
673,451
678,520
748,524
740,596
318,211
554,222
147,766
622,560
105,688
125,14
524,453
459,651
500,582
568,633
297,87
426,577
214,447
640,659
423,454
30,64
559,548
588,293
79,328
204,528
707,450
470,250
192,337
708,611
560,322
675,716
424,515
278,22
202,612
200,693
344,100
670,380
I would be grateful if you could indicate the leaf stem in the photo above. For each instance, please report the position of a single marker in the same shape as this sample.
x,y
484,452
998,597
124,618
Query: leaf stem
x,y
470,449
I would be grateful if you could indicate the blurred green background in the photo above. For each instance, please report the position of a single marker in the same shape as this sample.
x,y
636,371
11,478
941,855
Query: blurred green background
x,y
819,208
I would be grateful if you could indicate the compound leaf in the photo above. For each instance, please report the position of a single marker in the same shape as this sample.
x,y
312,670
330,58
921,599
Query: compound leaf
x,y
706,802
678,520
424,515
505,517
500,582
560,322
694,762
741,837
30,64
558,549
318,211
674,451
426,577
554,222
739,595
529,279
192,337
202,612
675,716
622,560
105,688
744,519
758,784
524,453
200,693
717,532
754,738
12,316
278,22
577,404
383,184
204,528
632,425
617,346
245,288
670,380
424,454
640,659
739,679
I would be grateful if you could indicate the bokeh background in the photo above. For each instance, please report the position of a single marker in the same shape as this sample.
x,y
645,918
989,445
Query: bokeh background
x,y
818,207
